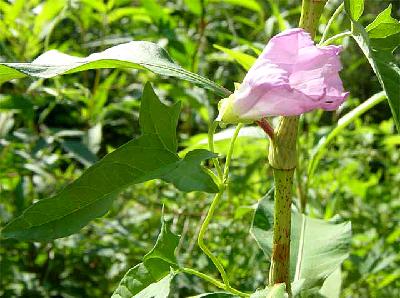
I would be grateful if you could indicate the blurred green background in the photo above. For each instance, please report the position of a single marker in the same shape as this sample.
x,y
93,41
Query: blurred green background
x,y
51,130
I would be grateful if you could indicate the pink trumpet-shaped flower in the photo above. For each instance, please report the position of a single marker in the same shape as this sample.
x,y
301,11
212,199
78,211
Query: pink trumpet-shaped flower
x,y
292,76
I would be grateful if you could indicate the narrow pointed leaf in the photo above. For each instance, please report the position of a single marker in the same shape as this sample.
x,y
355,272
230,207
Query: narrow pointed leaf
x,y
134,54
245,60
148,157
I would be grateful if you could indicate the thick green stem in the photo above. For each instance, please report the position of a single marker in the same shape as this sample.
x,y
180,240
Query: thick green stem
x,y
283,159
282,148
311,11
282,217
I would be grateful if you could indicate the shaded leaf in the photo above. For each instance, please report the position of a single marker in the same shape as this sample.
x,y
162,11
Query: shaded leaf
x,y
152,278
152,155
277,291
134,54
162,256
79,151
17,103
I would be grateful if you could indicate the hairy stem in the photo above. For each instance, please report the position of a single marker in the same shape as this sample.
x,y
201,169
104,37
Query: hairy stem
x,y
282,219
283,159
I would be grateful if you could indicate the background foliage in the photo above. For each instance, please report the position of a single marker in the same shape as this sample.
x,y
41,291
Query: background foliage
x,y
51,130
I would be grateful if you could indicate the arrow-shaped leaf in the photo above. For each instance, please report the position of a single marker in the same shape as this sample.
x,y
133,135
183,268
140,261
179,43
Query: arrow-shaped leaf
x,y
152,155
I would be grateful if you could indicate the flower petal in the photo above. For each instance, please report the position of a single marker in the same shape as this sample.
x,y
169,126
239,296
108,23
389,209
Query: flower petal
x,y
291,76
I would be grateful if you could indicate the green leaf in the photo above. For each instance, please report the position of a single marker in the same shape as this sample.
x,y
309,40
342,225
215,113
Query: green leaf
x,y
245,60
354,8
383,25
384,31
162,256
17,103
277,291
152,278
79,151
188,175
155,11
152,155
317,247
385,67
249,4
134,54
332,285
194,6
215,295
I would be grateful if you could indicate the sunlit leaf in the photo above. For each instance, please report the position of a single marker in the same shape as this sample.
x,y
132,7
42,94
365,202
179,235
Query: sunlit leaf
x,y
243,59
384,31
134,54
385,67
317,247
250,4
354,8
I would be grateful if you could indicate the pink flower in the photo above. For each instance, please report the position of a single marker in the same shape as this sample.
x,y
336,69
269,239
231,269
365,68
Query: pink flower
x,y
292,76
